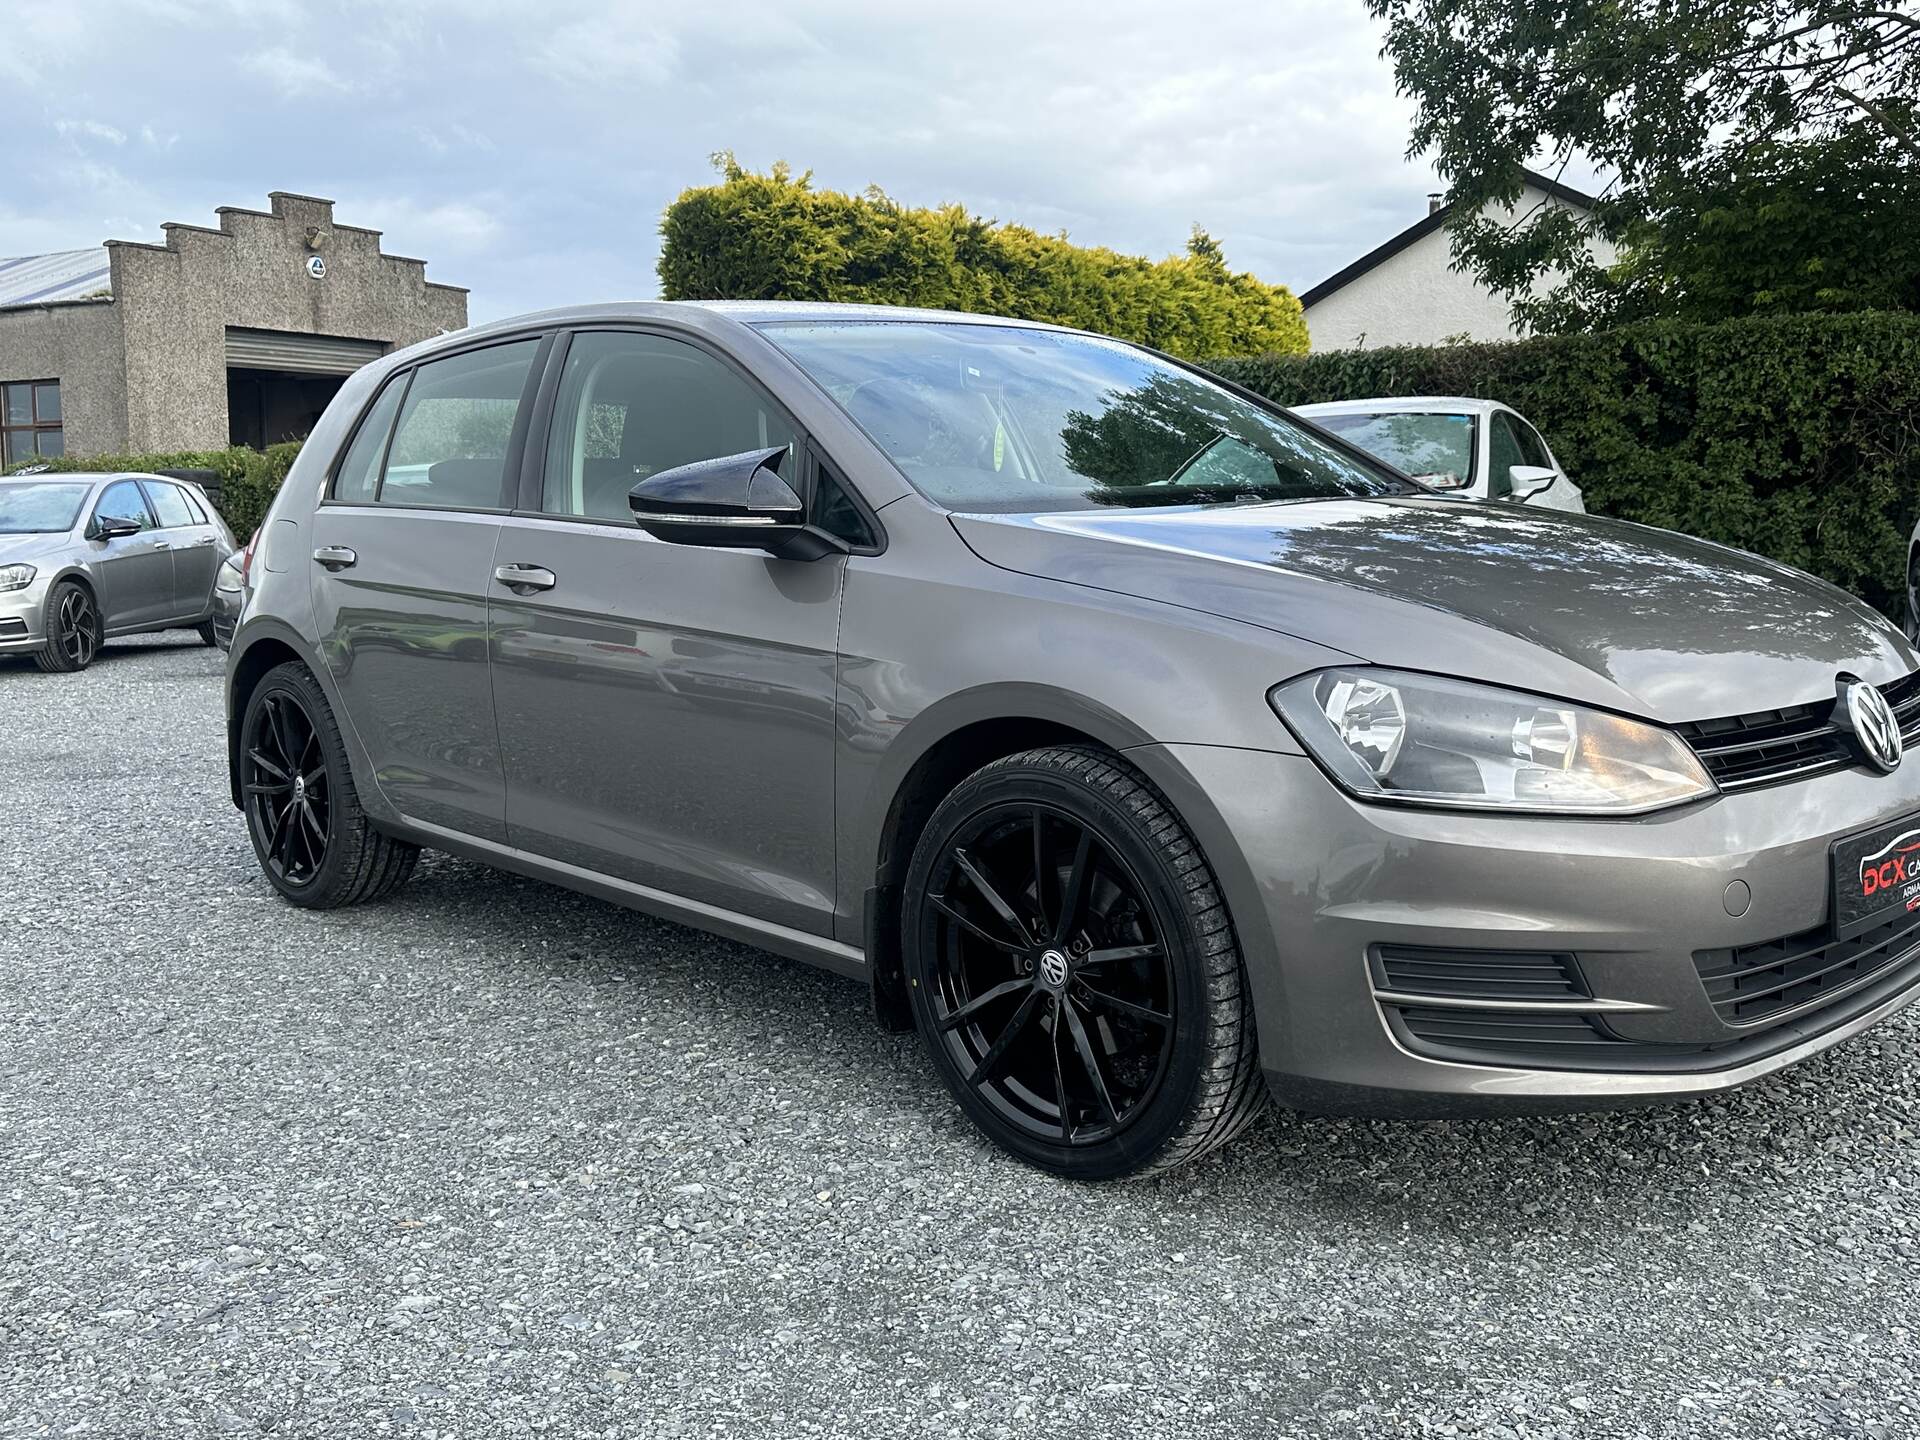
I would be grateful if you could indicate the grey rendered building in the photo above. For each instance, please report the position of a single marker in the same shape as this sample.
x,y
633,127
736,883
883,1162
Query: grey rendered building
x,y
235,335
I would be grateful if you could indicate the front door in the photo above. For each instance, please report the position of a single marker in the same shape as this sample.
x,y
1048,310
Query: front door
x,y
402,563
136,571
666,712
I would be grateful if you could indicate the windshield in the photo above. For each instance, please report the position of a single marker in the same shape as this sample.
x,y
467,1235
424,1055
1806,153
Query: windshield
x,y
999,418
1433,447
40,507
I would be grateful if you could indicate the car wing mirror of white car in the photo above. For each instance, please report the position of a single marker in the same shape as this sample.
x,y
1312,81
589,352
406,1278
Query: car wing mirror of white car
x,y
1529,480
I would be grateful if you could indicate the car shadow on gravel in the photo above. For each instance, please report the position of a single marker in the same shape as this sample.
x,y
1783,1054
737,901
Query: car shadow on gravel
x,y
1483,1177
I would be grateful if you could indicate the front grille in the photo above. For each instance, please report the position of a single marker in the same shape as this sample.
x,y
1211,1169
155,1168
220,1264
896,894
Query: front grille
x,y
1757,982
1511,1034
1480,974
1765,746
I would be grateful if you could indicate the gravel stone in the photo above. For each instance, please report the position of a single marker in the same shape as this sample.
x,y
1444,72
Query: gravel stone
x,y
493,1159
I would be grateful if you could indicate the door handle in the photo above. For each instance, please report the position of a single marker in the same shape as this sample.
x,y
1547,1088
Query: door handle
x,y
525,579
163,545
211,539
335,557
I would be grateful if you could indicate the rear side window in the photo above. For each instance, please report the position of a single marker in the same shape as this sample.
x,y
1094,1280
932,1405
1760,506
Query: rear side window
x,y
450,446
122,500
450,439
358,478
170,506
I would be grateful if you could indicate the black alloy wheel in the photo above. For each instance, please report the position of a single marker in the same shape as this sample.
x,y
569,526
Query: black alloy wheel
x,y
309,832
1080,995
73,629
284,779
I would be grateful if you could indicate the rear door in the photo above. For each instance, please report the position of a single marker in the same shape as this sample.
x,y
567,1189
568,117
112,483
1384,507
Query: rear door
x,y
136,571
195,545
402,567
665,711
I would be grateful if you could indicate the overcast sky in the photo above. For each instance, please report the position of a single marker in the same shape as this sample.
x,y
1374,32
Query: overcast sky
x,y
526,150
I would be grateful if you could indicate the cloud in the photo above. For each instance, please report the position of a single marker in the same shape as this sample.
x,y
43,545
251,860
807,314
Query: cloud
x,y
90,130
293,75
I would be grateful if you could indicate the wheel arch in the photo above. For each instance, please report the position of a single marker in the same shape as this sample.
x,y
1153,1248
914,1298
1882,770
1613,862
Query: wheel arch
x,y
935,752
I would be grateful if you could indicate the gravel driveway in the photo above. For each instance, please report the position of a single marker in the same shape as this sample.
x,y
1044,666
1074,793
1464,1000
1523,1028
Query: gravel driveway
x,y
494,1159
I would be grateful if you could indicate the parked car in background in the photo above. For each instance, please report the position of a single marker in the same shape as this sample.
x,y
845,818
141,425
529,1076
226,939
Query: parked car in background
x,y
1147,749
85,558
1472,447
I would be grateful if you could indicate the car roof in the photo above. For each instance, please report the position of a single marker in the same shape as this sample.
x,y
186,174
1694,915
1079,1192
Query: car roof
x,y
709,315
1404,404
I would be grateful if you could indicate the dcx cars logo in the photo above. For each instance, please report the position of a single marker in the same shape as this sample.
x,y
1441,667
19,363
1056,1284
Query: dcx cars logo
x,y
1894,866
1865,712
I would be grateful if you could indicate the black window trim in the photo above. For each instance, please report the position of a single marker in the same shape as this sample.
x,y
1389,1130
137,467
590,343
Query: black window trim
x,y
516,440
807,450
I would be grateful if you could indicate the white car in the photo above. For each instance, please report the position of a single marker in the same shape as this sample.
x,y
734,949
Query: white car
x,y
1471,447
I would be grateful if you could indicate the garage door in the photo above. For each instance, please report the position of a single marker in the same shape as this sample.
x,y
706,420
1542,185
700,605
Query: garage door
x,y
304,354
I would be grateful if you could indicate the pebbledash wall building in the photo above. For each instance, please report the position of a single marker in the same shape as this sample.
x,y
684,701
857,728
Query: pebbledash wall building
x,y
232,336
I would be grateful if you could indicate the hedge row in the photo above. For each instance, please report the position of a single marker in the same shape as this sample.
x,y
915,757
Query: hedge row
x,y
774,237
249,479
1797,437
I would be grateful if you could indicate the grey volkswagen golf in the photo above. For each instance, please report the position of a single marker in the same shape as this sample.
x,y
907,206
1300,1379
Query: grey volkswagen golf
x,y
1146,748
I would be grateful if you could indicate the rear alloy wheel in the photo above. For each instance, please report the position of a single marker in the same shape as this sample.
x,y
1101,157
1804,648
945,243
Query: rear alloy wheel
x,y
1073,971
312,839
73,629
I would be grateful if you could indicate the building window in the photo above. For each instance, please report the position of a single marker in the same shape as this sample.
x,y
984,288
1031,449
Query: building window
x,y
30,423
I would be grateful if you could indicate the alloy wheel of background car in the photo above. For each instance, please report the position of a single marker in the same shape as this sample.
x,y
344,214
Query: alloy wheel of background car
x,y
73,629
313,840
1069,972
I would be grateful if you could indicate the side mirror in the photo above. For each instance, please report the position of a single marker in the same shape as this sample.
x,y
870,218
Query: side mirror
x,y
109,527
735,502
1529,480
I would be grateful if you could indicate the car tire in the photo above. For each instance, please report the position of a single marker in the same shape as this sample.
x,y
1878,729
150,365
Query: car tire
x,y
1114,1037
209,636
74,632
314,843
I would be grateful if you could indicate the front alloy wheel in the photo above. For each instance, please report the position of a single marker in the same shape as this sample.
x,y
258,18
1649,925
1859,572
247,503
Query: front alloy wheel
x,y
1076,982
73,629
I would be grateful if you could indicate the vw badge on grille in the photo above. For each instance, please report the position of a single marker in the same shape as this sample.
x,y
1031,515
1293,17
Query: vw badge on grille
x,y
1871,720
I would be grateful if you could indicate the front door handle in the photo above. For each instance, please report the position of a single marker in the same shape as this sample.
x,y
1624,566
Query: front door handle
x,y
525,579
335,557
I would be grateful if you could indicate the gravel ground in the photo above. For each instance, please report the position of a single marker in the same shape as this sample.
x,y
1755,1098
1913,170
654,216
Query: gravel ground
x,y
494,1159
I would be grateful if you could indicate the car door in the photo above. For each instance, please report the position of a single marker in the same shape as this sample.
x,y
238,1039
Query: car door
x,y
135,571
665,711
195,545
402,565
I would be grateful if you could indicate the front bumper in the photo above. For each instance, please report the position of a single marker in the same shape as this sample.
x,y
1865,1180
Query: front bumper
x,y
22,626
1321,886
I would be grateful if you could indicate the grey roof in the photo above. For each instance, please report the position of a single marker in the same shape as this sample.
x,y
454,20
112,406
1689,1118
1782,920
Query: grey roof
x,y
63,275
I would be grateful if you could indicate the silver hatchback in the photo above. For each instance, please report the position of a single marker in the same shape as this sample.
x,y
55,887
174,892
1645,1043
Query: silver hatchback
x,y
84,558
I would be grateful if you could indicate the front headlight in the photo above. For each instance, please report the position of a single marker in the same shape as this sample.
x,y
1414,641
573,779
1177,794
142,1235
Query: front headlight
x,y
16,577
1388,735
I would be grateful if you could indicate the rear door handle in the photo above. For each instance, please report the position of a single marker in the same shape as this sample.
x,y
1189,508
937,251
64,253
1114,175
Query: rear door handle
x,y
525,579
335,557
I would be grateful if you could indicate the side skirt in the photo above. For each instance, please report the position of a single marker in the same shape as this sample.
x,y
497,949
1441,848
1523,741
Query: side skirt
x,y
764,934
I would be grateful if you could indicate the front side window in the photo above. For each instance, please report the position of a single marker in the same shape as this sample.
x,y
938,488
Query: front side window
x,y
631,405
31,425
1436,448
123,500
40,507
450,445
170,505
1003,418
